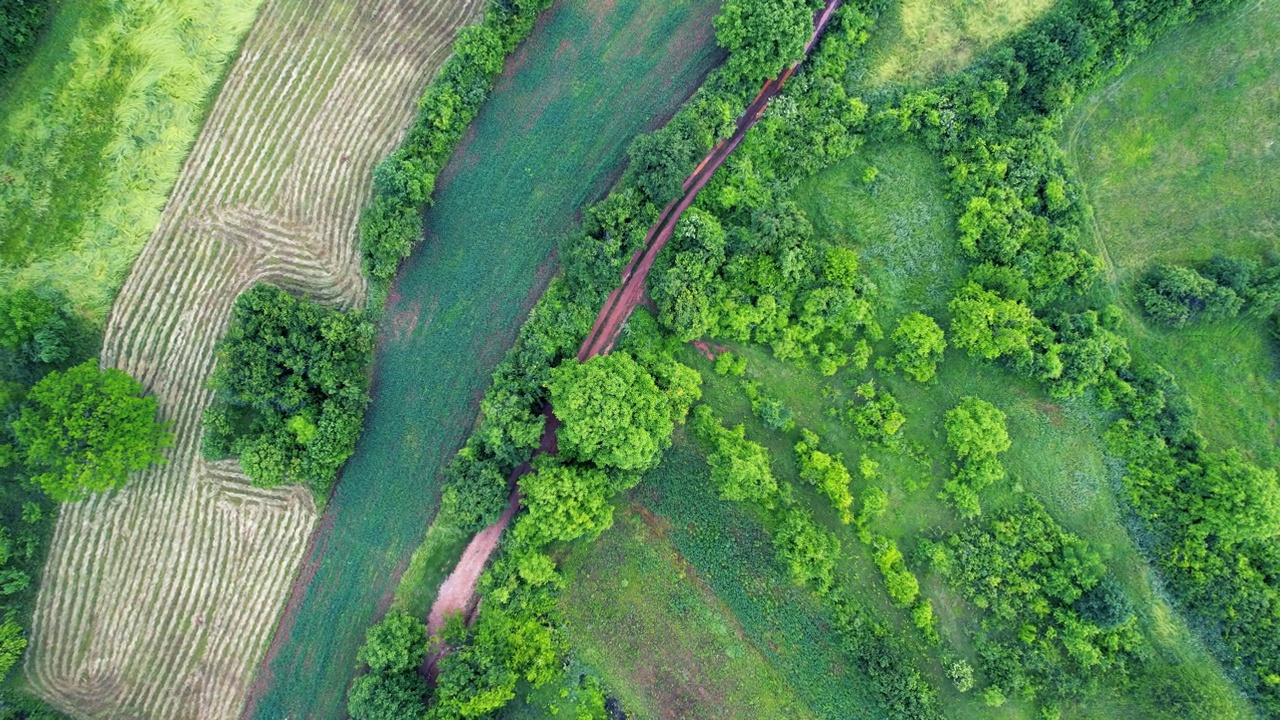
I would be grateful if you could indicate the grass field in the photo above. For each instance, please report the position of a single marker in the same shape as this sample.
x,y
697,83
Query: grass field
x,y
918,40
665,645
550,139
158,601
93,133
1180,156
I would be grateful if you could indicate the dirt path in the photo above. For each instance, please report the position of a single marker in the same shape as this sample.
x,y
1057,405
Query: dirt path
x,y
457,592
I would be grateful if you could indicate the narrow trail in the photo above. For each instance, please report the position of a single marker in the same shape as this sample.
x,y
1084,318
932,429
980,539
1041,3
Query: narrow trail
x,y
457,593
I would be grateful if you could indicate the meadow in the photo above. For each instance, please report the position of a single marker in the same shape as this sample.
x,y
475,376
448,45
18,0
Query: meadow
x,y
159,600
94,131
1180,157
550,139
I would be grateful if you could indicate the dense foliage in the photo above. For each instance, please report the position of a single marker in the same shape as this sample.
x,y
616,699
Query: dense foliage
x,y
84,430
20,23
392,222
976,434
739,468
1056,628
291,388
825,472
1224,286
918,345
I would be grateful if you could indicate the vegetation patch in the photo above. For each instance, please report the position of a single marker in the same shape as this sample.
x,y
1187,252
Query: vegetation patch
x,y
665,646
94,131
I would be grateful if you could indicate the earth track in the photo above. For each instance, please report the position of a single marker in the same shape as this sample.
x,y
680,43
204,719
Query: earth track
x,y
158,600
457,592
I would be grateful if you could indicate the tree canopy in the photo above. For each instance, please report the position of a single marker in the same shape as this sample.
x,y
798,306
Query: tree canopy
x,y
564,503
918,343
84,430
613,413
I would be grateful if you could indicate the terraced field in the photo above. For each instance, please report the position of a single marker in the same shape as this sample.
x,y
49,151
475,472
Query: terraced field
x,y
158,601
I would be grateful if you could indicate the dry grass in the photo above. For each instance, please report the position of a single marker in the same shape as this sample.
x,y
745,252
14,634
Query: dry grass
x,y
158,601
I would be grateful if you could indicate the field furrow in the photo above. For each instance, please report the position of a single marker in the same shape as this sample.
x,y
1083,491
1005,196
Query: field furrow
x,y
158,600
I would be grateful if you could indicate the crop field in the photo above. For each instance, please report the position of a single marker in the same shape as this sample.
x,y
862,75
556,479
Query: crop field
x,y
1181,158
94,131
550,139
918,40
662,640
159,600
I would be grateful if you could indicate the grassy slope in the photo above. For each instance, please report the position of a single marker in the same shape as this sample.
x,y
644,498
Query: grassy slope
x,y
918,40
661,640
1180,156
94,130
550,139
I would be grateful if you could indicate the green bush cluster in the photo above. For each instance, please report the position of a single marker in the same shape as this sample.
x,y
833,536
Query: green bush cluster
x,y
1177,295
739,467
825,472
292,386
977,434
1054,629
20,23
876,415
403,183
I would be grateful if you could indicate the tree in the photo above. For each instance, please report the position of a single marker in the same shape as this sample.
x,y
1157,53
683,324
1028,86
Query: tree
x,y
989,326
763,36
84,430
1175,295
564,503
1238,500
613,413
825,472
919,344
12,643
739,467
387,696
397,644
976,432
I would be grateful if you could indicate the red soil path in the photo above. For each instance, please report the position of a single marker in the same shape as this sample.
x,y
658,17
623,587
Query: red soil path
x,y
458,590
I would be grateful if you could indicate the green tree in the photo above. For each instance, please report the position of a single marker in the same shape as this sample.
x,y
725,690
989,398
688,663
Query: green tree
x,y
990,326
976,433
34,326
12,643
825,472
739,467
1238,500
918,343
564,502
387,696
397,644
612,412
763,36
84,430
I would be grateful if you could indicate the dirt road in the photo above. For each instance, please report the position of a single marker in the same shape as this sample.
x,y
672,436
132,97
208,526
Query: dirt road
x,y
457,591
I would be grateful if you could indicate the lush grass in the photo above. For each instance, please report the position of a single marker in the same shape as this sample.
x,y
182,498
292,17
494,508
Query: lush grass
x,y
1180,157
94,130
549,140
918,40
664,644
726,545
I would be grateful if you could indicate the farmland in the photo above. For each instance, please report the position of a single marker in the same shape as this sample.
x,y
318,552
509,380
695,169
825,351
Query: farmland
x,y
159,600
589,78
94,132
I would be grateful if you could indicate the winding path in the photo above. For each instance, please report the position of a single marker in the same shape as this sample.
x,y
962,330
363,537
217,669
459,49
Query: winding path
x,y
457,593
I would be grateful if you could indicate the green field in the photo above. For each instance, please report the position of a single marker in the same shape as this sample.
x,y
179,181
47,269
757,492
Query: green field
x,y
550,139
94,130
1180,156
665,645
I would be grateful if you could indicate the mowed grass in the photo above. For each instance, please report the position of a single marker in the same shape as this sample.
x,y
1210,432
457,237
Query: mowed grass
x,y
93,133
918,40
664,644
549,140
1180,156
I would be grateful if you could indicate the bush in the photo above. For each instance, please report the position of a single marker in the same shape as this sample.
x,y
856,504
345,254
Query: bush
x,y
919,344
291,388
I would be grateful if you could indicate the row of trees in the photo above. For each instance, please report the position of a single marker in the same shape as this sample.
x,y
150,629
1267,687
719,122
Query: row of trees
x,y
392,223
292,386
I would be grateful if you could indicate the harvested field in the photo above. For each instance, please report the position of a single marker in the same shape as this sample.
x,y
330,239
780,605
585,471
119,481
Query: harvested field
x,y
549,140
158,601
